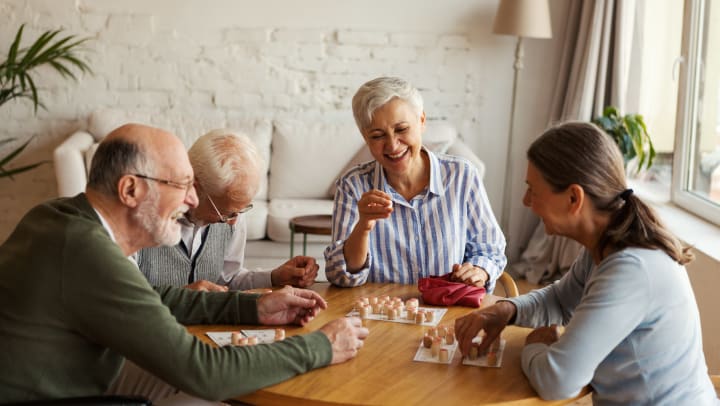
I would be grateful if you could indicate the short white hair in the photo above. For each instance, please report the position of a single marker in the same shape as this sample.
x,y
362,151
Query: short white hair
x,y
227,163
377,92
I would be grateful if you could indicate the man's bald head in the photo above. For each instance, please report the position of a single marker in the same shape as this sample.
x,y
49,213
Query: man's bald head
x,y
131,149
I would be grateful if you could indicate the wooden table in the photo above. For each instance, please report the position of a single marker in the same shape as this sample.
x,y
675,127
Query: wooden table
x,y
384,372
316,224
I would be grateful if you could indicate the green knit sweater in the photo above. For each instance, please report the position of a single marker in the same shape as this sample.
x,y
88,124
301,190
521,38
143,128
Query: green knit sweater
x,y
72,307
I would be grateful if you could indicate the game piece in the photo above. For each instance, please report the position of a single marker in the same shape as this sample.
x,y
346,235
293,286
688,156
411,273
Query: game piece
x,y
427,341
412,303
420,317
443,356
473,355
235,337
429,316
252,340
435,347
279,334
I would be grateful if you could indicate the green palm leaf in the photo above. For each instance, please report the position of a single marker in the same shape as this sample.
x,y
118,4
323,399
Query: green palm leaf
x,y
16,77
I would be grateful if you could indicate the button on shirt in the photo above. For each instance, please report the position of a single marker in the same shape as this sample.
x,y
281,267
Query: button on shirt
x,y
448,223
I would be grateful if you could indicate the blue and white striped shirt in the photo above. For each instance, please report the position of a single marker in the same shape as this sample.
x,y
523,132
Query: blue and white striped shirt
x,y
449,223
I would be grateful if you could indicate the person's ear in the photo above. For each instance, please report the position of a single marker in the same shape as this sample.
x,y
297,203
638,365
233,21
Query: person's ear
x,y
130,191
422,120
576,194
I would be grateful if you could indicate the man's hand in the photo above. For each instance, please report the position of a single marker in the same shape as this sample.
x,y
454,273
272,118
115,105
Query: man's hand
x,y
289,306
545,335
206,286
492,319
469,274
346,336
300,271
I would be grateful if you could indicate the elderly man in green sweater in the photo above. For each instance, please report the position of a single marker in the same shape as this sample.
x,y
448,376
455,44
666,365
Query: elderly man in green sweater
x,y
77,318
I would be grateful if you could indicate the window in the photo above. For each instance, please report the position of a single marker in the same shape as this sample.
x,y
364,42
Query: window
x,y
696,159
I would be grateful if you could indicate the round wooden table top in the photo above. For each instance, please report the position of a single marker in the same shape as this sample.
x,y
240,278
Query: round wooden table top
x,y
384,372
315,224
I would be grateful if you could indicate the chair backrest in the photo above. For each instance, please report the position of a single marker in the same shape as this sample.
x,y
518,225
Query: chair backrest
x,y
509,285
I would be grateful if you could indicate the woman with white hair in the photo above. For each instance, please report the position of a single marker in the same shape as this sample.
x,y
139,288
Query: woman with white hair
x,y
409,213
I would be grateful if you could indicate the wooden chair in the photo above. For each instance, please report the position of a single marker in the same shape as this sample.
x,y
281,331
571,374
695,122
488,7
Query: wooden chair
x,y
509,285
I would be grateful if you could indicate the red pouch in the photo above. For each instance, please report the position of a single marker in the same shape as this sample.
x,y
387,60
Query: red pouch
x,y
440,291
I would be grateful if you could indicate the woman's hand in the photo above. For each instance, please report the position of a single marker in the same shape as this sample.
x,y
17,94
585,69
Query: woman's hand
x,y
373,205
492,319
469,274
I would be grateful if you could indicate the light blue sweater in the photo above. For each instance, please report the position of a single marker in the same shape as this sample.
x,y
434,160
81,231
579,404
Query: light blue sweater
x,y
632,331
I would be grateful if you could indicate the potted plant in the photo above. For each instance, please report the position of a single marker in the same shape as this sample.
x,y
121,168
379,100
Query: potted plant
x,y
16,80
630,134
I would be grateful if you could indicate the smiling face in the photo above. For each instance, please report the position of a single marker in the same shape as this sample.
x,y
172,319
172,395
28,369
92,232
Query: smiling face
x,y
394,137
165,203
552,207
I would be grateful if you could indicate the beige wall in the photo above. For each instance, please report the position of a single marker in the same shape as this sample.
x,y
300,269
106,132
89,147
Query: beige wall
x,y
705,278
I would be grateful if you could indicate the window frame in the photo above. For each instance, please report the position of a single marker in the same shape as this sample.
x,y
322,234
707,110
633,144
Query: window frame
x,y
694,25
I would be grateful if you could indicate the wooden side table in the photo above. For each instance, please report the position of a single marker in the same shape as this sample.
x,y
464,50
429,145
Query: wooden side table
x,y
320,224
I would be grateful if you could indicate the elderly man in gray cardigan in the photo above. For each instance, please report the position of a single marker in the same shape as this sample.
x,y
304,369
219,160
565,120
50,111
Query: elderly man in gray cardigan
x,y
210,255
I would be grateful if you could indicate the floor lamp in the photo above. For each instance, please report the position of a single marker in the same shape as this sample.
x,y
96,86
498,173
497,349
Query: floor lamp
x,y
523,19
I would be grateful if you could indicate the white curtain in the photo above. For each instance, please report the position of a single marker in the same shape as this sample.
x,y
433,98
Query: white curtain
x,y
595,71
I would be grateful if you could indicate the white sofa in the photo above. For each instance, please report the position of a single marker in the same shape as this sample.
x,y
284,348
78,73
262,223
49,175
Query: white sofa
x,y
303,160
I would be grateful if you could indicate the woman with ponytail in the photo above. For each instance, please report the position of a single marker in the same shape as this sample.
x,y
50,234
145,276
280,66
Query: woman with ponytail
x,y
632,328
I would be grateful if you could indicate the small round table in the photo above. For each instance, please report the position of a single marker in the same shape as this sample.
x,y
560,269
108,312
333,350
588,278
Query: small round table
x,y
320,224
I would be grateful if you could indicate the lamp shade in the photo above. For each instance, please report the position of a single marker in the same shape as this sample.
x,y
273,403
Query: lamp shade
x,y
523,18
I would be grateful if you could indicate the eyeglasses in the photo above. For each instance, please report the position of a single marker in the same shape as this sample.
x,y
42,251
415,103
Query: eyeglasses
x,y
231,216
186,186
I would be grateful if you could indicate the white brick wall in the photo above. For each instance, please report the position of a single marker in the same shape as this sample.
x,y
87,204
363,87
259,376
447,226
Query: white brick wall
x,y
192,65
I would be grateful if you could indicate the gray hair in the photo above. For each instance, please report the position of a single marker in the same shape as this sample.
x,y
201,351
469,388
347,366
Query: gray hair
x,y
377,92
113,159
224,162
581,153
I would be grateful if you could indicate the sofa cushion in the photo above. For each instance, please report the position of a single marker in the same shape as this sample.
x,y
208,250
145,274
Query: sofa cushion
x,y
307,157
103,121
256,220
281,211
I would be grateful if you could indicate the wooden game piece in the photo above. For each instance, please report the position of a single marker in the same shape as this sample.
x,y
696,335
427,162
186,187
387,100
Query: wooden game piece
x,y
432,332
443,355
364,311
427,341
419,317
429,316
492,358
411,313
412,303
442,331
235,337
279,334
450,339
391,313
435,347
473,354
252,340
